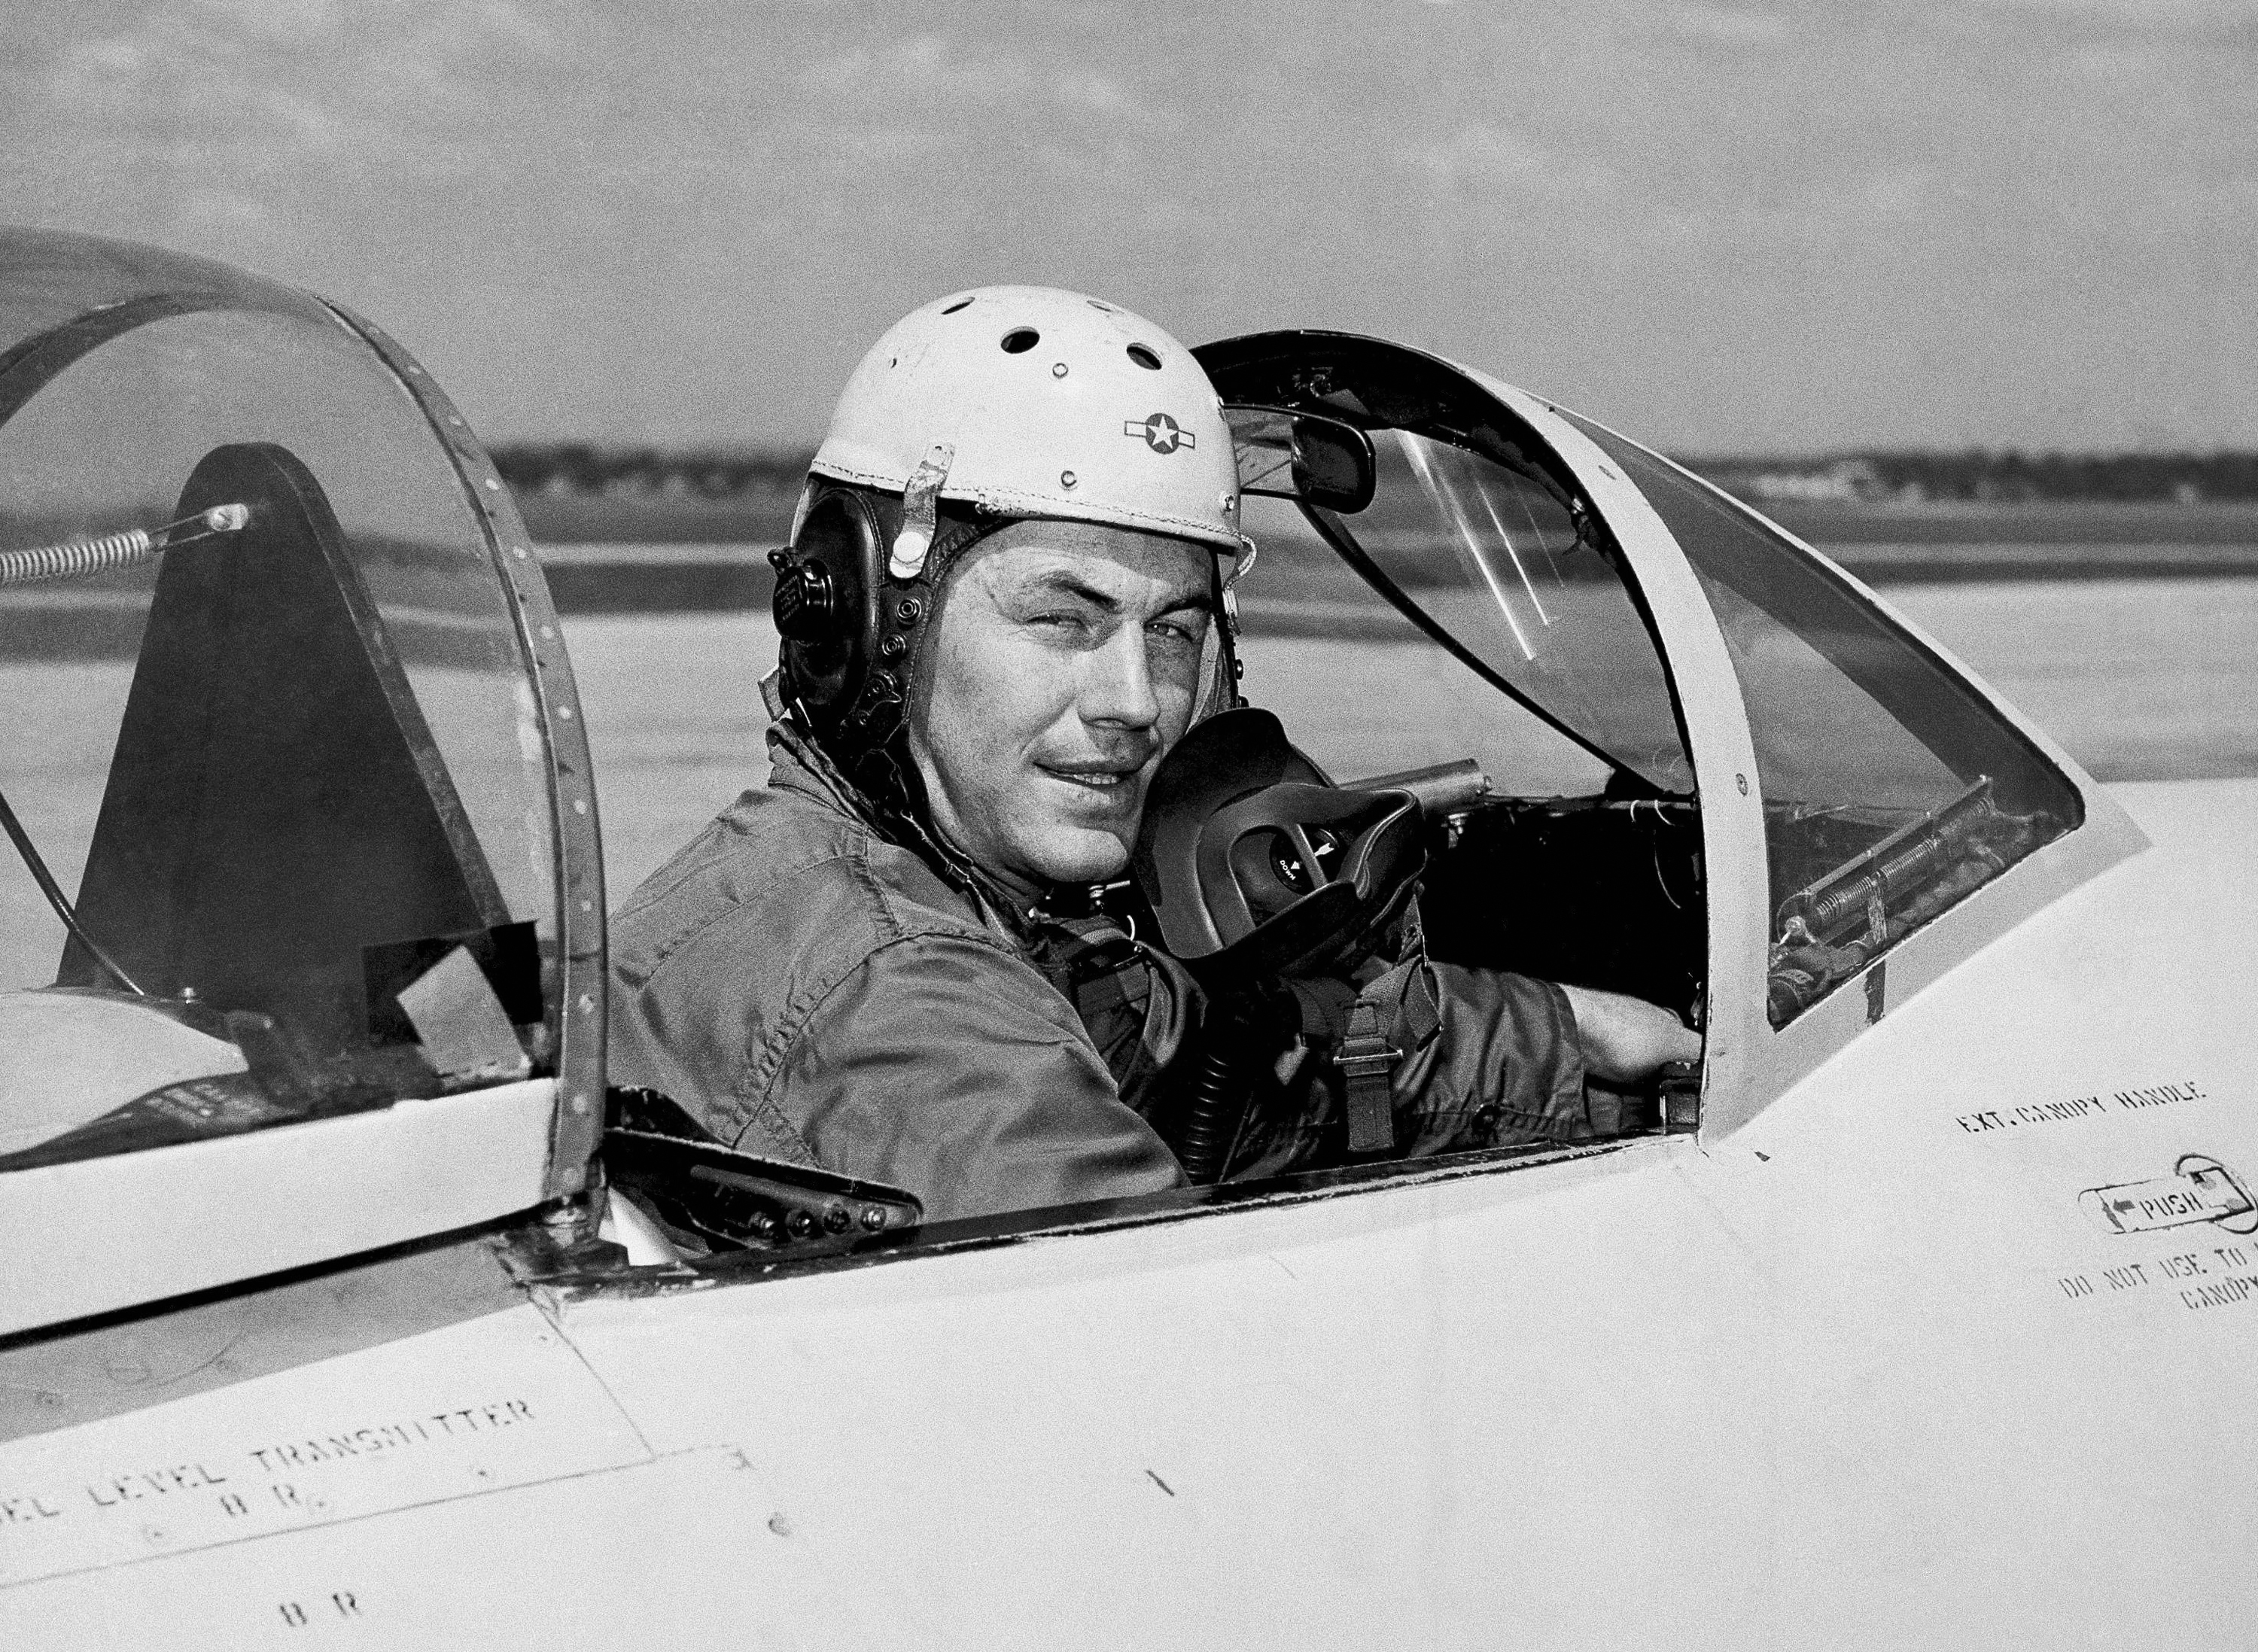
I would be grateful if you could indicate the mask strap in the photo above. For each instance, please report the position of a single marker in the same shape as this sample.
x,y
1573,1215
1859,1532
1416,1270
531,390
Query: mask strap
x,y
1225,696
920,512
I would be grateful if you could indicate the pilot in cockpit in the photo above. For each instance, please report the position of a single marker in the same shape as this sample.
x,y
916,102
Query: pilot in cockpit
x,y
915,958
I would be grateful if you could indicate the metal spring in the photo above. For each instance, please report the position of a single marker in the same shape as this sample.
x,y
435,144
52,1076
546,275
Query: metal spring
x,y
61,562
116,550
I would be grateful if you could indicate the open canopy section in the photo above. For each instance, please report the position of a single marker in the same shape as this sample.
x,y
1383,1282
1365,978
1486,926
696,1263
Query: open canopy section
x,y
278,761
1435,583
1892,788
1486,550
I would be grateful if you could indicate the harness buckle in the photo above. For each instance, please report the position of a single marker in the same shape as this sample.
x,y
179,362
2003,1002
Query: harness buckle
x,y
1367,1062
1365,1058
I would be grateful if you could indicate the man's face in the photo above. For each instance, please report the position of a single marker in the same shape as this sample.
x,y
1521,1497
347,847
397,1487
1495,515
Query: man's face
x,y
1064,660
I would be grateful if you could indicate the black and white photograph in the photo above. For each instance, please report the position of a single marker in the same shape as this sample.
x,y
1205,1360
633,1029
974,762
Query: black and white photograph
x,y
1377,823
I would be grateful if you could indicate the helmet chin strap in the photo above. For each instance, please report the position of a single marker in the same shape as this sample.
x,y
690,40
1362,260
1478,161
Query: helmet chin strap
x,y
1229,697
1244,563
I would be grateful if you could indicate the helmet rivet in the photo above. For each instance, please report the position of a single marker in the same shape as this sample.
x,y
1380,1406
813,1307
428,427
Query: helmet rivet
x,y
1066,478
1058,370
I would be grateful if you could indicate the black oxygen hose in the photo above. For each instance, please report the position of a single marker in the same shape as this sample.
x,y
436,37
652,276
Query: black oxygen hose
x,y
1209,1123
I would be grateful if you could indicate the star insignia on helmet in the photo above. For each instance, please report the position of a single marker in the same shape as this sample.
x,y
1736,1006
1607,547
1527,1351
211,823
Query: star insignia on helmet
x,y
1161,433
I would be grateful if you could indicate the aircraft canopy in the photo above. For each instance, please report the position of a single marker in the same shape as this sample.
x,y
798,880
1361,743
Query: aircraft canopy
x,y
280,729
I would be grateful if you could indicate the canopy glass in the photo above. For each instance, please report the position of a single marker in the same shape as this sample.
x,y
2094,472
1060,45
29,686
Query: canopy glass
x,y
274,739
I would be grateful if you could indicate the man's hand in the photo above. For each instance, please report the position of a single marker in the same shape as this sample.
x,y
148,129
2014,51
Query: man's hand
x,y
1626,1039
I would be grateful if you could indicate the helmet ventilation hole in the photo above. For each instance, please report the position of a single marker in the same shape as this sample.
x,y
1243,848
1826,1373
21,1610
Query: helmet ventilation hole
x,y
1020,340
1144,356
952,308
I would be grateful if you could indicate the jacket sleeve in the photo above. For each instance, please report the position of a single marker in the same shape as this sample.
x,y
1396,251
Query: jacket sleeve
x,y
1506,1064
1487,1059
945,1067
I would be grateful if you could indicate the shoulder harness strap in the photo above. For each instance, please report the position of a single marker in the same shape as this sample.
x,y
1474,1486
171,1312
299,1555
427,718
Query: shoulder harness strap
x,y
1371,1029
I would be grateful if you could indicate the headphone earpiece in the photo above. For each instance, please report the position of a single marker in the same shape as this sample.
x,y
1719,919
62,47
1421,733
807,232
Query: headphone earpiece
x,y
826,604
805,603
851,629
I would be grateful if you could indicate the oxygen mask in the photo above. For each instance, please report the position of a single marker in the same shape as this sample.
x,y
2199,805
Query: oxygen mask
x,y
1254,864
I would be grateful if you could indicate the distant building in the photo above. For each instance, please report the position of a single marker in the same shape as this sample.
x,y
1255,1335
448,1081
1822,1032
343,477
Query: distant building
x,y
1843,480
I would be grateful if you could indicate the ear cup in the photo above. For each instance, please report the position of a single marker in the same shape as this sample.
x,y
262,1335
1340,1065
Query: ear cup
x,y
826,607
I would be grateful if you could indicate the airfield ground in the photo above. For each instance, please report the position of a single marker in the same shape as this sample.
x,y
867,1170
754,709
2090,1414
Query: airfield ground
x,y
2139,679
2149,677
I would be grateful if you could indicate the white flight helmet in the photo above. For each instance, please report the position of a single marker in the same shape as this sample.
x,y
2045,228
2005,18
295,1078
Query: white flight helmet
x,y
987,406
1030,401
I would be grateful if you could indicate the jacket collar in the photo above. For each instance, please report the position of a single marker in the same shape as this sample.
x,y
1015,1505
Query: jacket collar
x,y
798,764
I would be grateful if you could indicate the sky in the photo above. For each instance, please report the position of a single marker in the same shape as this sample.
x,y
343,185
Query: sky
x,y
1724,228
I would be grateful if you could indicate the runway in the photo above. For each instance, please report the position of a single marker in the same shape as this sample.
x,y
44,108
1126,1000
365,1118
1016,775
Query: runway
x,y
2138,679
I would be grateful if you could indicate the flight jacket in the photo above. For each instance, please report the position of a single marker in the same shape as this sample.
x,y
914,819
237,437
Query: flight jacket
x,y
811,991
